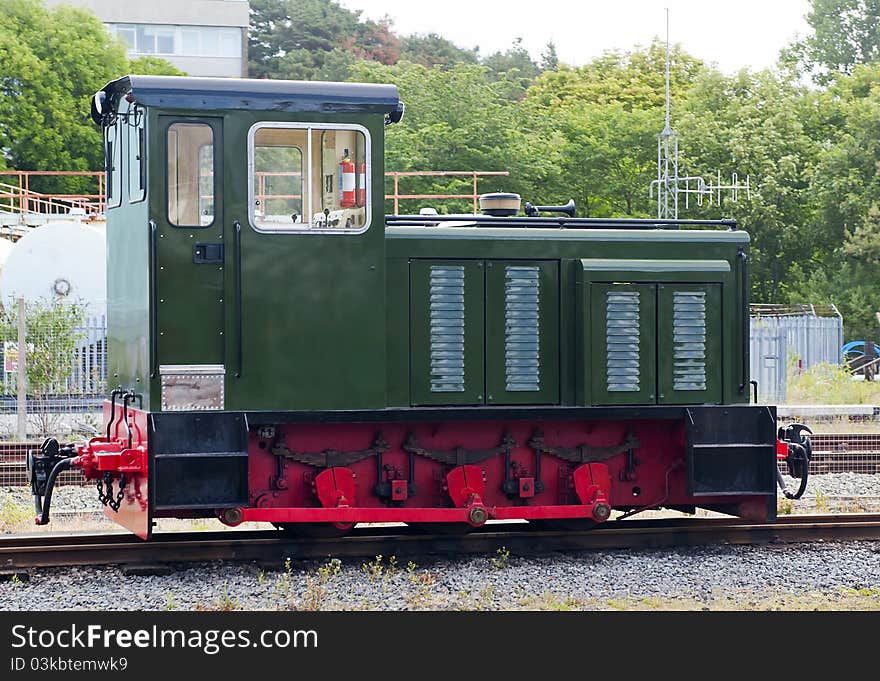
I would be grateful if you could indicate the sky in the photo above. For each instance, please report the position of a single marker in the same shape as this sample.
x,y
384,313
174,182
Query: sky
x,y
734,34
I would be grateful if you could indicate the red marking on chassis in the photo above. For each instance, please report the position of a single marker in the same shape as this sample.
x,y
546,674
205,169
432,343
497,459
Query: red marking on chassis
x,y
283,490
408,515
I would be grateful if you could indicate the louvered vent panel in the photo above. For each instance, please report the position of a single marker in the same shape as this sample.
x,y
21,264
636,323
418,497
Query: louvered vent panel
x,y
447,328
522,348
622,341
689,340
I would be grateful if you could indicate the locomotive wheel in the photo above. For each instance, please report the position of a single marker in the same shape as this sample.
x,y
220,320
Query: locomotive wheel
x,y
444,528
316,530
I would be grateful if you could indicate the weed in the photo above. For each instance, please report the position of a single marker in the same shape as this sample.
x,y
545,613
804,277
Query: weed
x,y
821,502
550,601
14,515
501,561
282,584
485,598
170,603
830,384
392,567
331,569
865,592
423,586
223,603
374,569
316,592
785,506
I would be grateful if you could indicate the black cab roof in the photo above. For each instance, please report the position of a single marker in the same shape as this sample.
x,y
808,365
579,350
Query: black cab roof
x,y
180,92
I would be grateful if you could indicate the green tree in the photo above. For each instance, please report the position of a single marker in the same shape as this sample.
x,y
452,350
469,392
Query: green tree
x,y
609,159
314,40
634,79
53,330
762,126
154,66
456,119
51,63
514,68
846,188
434,50
846,33
549,58
599,124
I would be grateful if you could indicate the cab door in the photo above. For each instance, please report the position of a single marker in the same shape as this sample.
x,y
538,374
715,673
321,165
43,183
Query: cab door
x,y
189,244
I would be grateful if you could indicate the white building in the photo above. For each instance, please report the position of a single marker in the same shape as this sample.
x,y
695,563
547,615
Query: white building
x,y
200,37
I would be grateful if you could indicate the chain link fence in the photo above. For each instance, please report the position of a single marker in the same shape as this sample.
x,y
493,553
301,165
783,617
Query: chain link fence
x,y
60,354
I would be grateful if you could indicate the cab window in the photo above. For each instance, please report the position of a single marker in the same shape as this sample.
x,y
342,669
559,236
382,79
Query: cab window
x,y
308,178
113,164
137,155
190,175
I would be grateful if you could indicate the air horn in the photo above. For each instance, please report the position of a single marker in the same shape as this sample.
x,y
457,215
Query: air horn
x,y
534,211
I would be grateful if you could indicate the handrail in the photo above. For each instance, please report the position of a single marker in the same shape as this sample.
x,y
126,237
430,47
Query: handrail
x,y
473,174
744,294
238,300
154,300
575,223
22,199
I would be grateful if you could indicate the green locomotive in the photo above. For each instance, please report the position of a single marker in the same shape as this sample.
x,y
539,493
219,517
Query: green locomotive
x,y
285,352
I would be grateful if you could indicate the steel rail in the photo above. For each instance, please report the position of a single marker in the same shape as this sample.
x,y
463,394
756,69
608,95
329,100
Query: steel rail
x,y
50,550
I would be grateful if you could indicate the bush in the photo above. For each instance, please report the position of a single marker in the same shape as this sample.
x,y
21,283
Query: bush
x,y
830,384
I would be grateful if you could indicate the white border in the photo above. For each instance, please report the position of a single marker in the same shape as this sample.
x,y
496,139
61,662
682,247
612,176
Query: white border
x,y
309,127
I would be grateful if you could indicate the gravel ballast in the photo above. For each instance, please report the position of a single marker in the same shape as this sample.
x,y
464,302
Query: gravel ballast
x,y
802,576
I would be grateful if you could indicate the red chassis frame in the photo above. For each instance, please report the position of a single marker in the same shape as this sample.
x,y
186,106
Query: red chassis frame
x,y
470,472
464,472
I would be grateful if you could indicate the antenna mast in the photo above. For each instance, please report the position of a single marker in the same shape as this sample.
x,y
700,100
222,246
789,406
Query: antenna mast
x,y
669,183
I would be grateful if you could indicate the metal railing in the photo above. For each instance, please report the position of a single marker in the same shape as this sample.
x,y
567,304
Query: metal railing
x,y
17,197
396,196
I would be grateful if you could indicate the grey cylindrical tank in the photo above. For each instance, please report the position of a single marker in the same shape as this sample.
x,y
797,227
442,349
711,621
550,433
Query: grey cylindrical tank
x,y
58,261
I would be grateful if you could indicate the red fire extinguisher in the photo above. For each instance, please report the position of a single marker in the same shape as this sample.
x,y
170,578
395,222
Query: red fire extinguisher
x,y
346,187
362,184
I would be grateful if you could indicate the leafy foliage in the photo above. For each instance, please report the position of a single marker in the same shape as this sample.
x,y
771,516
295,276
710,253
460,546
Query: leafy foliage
x,y
586,132
434,50
846,33
314,40
51,63
53,331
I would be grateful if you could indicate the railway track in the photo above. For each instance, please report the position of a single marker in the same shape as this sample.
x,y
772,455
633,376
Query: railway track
x,y
47,550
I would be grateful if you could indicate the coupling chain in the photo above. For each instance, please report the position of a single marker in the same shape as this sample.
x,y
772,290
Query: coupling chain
x,y
106,498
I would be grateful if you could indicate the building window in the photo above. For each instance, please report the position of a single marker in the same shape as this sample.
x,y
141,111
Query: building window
x,y
308,177
180,41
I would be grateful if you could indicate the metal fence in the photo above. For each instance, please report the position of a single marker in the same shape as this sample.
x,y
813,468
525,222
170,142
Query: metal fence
x,y
784,339
65,362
